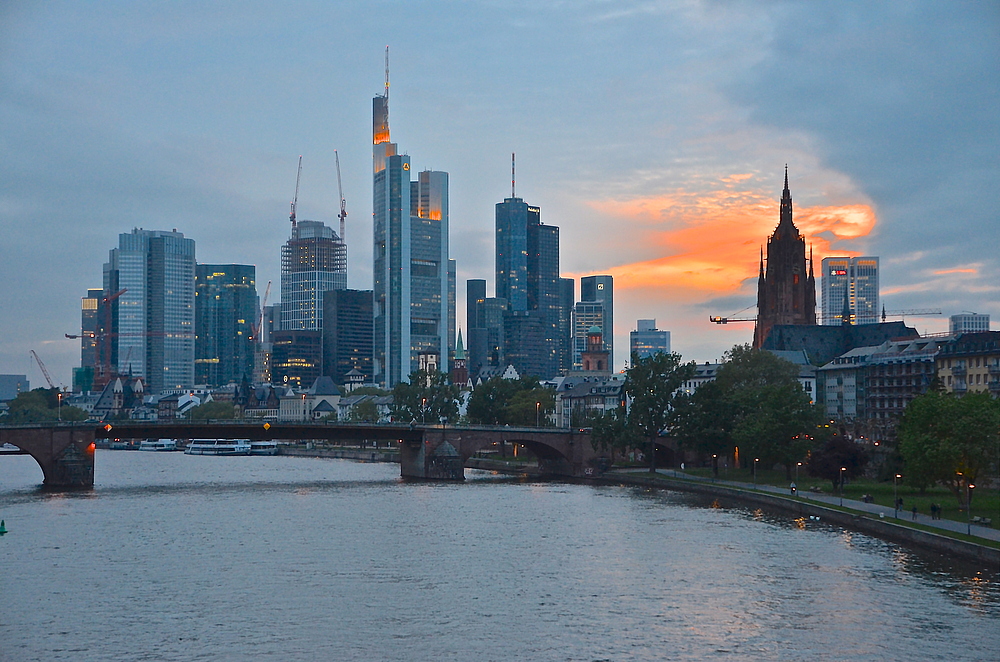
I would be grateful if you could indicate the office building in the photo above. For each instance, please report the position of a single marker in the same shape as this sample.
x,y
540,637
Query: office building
x,y
296,358
13,385
850,284
476,354
225,315
83,377
313,261
567,298
969,323
586,314
347,334
152,321
786,291
647,340
602,290
411,265
527,277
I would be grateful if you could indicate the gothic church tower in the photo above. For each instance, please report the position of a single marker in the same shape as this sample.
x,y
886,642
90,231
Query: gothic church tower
x,y
786,292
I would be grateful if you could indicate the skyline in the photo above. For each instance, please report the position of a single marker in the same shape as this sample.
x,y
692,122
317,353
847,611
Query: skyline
x,y
653,134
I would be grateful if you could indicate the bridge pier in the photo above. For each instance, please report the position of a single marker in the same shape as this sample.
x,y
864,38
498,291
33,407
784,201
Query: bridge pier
x,y
434,458
65,454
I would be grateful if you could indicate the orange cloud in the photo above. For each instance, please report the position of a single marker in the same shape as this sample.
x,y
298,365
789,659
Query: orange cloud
x,y
956,271
710,241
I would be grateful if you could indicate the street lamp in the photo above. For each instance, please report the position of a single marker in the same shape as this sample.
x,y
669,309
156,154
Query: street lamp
x,y
60,395
538,407
968,504
755,460
895,501
423,410
842,470
715,466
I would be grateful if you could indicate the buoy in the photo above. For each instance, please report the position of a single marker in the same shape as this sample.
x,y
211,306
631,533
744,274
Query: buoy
x,y
3,528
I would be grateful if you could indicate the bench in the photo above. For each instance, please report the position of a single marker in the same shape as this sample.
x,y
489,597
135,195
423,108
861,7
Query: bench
x,y
982,521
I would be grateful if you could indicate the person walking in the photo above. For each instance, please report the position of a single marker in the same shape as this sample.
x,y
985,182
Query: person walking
x,y
914,511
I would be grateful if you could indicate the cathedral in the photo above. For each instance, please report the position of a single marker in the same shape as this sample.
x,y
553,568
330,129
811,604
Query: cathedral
x,y
786,292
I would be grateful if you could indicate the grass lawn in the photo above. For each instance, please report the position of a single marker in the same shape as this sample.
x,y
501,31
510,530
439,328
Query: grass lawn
x,y
985,501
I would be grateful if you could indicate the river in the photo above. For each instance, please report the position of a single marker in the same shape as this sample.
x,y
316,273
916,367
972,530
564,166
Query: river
x,y
175,557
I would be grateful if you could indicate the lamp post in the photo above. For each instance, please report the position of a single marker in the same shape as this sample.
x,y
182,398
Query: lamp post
x,y
538,408
968,504
423,410
59,408
755,460
715,466
797,465
895,500
842,470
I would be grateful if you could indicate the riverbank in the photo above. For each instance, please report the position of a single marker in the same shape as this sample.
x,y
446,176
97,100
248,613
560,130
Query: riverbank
x,y
866,522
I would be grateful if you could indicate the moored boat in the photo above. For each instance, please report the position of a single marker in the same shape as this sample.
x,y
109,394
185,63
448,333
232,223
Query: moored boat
x,y
218,447
158,445
263,448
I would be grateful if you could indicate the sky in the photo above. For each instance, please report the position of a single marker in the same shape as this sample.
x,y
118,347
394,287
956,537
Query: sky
x,y
654,134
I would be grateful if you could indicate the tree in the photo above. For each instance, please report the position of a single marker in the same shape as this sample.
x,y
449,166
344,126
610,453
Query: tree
x,y
651,383
500,401
612,430
426,398
704,421
836,453
773,418
365,411
949,440
41,405
212,410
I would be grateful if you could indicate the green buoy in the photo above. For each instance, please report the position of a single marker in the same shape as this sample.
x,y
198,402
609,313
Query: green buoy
x,y
3,529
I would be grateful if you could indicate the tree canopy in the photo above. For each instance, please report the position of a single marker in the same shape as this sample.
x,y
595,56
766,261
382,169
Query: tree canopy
x,y
41,405
652,383
949,440
214,410
499,401
426,398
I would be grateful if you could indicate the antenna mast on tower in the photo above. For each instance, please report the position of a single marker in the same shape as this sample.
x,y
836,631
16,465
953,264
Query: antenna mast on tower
x,y
295,200
343,203
512,175
387,73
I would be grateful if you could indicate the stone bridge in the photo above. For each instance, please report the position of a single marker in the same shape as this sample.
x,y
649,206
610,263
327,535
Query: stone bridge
x,y
65,451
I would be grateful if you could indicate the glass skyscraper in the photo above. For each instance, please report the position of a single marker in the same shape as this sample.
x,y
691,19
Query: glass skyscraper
x,y
153,321
313,261
226,311
600,289
852,281
527,276
647,340
413,300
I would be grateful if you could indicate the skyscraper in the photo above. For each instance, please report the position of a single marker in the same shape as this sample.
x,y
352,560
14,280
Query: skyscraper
x,y
853,278
647,340
153,320
527,276
476,334
411,265
347,334
225,314
313,261
602,289
83,377
586,314
786,291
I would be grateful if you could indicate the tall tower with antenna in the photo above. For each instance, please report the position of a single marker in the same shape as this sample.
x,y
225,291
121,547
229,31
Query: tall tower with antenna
x,y
410,267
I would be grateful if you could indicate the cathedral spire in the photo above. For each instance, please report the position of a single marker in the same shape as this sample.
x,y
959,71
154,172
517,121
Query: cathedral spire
x,y
786,228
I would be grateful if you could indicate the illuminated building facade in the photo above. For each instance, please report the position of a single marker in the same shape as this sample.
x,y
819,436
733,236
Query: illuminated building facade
x,y
786,291
313,261
225,313
153,321
647,340
851,283
412,282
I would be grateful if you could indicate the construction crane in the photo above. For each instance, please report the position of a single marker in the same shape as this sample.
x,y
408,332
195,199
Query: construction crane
x,y
718,319
42,368
295,200
256,328
912,313
343,203
102,367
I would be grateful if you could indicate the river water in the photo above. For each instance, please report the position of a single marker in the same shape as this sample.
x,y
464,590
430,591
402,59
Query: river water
x,y
175,557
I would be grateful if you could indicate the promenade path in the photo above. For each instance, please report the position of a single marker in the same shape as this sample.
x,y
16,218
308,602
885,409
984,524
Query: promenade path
x,y
874,508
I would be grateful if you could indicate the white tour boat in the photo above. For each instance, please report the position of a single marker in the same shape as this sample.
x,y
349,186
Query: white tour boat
x,y
158,445
218,447
263,448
